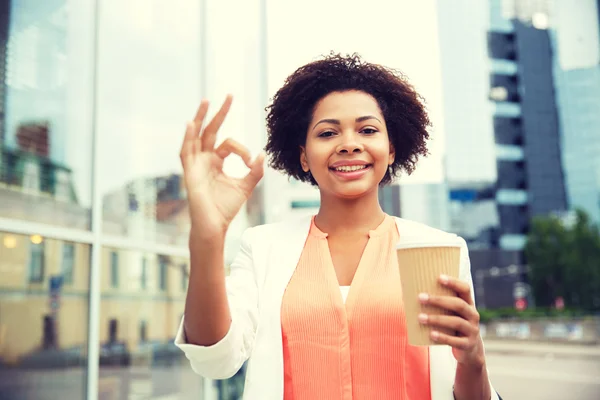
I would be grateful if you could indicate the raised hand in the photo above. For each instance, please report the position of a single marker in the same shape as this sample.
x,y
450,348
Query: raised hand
x,y
214,198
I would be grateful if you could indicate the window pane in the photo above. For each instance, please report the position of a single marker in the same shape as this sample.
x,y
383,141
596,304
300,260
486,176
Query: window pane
x,y
143,103
162,265
43,322
137,329
45,111
144,273
68,262
36,258
114,269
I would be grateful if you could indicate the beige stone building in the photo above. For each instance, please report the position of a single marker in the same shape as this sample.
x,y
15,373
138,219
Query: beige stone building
x,y
142,296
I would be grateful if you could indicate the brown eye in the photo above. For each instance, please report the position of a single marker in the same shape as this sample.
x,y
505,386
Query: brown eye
x,y
326,134
369,131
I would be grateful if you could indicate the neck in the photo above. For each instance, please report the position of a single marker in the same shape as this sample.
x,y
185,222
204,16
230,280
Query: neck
x,y
337,215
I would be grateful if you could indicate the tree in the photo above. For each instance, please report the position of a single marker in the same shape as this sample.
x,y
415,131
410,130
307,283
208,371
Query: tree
x,y
564,260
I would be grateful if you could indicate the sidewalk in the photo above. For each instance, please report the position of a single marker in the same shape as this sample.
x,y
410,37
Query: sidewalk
x,y
548,349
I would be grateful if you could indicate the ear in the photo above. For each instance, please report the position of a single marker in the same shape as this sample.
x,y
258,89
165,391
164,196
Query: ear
x,y
303,161
392,155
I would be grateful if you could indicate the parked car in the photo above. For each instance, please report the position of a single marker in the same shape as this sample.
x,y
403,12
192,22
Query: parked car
x,y
54,358
114,353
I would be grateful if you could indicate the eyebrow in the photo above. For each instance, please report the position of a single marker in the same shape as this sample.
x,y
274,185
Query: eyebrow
x,y
338,122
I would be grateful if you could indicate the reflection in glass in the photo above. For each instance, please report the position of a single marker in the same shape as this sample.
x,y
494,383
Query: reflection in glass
x,y
43,317
140,128
45,136
142,303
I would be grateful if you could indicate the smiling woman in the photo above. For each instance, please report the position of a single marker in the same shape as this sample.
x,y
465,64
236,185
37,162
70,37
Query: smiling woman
x,y
329,285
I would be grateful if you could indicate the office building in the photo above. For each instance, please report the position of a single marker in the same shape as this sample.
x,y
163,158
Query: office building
x,y
574,34
528,145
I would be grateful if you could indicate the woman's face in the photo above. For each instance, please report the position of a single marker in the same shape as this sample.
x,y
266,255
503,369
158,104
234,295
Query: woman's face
x,y
347,148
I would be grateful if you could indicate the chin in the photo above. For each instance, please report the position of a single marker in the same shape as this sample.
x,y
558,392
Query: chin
x,y
351,192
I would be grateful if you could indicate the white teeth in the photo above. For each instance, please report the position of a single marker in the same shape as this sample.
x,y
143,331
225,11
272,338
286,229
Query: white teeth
x,y
351,168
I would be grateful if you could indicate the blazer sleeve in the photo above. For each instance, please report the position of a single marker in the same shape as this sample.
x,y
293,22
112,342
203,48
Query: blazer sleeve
x,y
465,275
223,359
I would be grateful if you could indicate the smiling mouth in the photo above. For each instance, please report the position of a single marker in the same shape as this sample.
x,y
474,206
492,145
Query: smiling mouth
x,y
350,168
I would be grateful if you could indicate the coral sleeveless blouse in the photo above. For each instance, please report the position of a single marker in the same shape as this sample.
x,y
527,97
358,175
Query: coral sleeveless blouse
x,y
354,350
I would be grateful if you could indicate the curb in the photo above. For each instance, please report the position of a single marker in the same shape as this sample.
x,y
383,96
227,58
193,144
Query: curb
x,y
545,355
545,350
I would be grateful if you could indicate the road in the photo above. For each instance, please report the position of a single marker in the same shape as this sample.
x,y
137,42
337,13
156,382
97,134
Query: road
x,y
548,373
518,371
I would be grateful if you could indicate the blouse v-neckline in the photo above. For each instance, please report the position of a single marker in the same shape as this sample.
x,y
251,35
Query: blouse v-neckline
x,y
361,270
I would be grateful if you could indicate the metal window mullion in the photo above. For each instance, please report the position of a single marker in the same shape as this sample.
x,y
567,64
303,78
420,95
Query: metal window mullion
x,y
93,367
125,243
27,228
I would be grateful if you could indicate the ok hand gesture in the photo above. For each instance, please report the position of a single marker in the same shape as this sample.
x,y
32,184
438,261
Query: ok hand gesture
x,y
214,198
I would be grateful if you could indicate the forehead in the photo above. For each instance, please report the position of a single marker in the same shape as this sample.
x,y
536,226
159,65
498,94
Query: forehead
x,y
348,104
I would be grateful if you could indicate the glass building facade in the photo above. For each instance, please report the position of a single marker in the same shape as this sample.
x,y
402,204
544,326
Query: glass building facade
x,y
530,178
94,96
576,43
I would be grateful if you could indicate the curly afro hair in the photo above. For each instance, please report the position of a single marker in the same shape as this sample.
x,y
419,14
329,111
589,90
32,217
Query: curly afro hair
x,y
291,111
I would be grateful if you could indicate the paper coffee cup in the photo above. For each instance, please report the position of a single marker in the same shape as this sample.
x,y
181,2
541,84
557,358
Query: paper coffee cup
x,y
420,268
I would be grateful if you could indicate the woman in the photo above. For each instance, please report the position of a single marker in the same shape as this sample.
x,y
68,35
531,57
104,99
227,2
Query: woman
x,y
315,304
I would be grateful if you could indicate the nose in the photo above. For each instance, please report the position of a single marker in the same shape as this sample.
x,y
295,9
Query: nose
x,y
349,144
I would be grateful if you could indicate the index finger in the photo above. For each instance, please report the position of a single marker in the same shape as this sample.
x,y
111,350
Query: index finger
x,y
193,129
462,288
209,136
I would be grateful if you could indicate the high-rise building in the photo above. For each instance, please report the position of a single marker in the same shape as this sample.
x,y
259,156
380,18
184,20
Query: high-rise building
x,y
467,128
575,38
473,213
528,152
469,160
501,125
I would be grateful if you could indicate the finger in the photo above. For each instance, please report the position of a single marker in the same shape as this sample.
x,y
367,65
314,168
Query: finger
x,y
462,343
462,288
188,140
201,114
193,127
209,136
256,173
450,303
231,146
452,323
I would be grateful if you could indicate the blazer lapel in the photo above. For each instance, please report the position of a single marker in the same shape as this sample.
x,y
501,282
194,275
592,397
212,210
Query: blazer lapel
x,y
287,244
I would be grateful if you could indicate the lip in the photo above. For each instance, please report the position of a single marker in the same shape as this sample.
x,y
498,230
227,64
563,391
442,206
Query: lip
x,y
348,163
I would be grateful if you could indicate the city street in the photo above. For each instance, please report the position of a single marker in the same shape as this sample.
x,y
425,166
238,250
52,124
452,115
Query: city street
x,y
522,371
519,371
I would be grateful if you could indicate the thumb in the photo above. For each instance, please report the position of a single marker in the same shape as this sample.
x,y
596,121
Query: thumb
x,y
255,174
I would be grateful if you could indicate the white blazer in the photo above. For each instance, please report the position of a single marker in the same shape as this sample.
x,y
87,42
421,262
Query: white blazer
x,y
259,275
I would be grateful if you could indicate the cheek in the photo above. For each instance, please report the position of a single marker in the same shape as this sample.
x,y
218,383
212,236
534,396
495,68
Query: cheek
x,y
381,152
316,155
